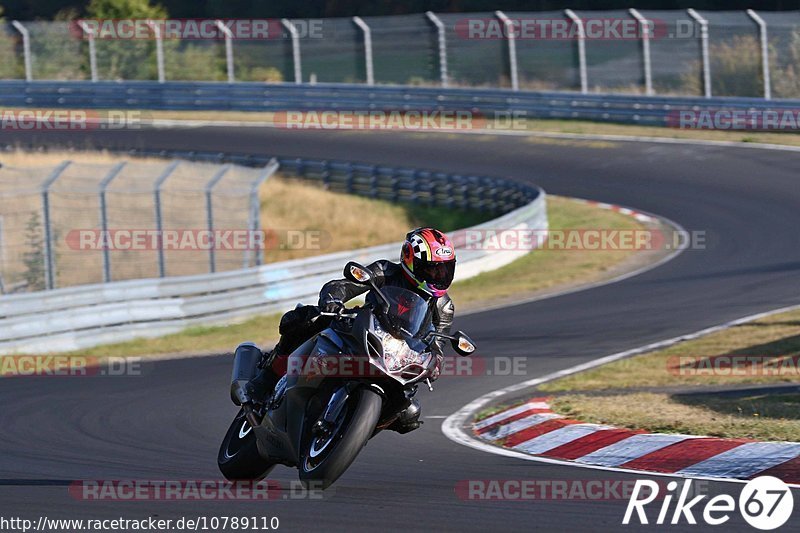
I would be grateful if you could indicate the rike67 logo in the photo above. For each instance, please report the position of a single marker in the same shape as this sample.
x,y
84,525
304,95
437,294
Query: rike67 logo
x,y
765,503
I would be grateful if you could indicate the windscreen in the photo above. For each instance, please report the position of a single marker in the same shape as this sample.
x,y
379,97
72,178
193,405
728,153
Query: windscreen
x,y
408,312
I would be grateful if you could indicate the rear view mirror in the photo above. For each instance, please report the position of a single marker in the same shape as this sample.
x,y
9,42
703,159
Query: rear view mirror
x,y
462,344
357,273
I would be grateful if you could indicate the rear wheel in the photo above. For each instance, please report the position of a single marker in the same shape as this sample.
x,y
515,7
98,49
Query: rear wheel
x,y
238,457
326,457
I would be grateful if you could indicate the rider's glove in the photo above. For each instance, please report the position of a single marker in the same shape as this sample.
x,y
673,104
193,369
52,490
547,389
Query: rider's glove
x,y
332,306
437,369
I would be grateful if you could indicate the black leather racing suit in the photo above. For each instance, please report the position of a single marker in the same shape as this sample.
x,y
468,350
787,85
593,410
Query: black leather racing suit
x,y
386,273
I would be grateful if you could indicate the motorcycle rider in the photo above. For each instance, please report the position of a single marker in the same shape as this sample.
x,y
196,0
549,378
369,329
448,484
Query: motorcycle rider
x,y
427,265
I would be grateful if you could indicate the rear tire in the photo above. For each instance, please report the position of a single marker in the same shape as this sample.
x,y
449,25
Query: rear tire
x,y
238,457
344,445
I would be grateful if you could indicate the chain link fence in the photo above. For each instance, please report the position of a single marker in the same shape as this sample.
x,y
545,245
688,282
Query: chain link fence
x,y
78,223
596,51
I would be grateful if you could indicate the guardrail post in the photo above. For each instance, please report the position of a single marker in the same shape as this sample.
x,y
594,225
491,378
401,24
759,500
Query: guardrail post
x,y
644,24
212,262
159,50
26,48
511,40
581,49
703,50
298,70
255,209
92,50
113,173
762,33
159,220
228,48
49,248
367,48
442,38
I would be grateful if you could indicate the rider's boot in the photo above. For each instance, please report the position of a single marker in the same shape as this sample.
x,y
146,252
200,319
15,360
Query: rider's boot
x,y
261,386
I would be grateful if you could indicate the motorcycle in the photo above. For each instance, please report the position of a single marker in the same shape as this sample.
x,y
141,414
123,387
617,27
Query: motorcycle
x,y
317,420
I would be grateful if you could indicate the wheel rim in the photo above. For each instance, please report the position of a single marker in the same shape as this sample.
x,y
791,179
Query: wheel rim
x,y
320,447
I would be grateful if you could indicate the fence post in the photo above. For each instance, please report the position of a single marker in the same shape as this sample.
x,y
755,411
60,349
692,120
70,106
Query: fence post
x,y
159,49
703,50
113,173
255,211
367,48
26,48
581,49
228,48
442,38
762,33
644,24
298,70
92,51
511,40
212,263
49,249
159,220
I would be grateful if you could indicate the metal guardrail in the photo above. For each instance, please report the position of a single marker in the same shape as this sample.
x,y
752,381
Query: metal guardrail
x,y
88,315
634,109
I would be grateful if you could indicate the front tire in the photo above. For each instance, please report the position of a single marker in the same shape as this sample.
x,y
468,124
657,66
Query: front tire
x,y
323,461
238,457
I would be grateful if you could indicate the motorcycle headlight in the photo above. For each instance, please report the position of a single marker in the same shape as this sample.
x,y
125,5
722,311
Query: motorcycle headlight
x,y
397,354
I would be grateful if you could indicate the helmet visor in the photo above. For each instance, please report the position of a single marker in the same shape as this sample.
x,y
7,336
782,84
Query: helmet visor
x,y
437,275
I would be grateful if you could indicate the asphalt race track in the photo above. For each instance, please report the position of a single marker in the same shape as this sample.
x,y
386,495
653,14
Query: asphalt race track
x,y
167,424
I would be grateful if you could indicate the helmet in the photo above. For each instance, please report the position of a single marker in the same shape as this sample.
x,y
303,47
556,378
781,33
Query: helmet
x,y
429,260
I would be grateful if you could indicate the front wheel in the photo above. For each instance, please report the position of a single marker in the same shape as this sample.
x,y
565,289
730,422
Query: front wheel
x,y
238,457
325,458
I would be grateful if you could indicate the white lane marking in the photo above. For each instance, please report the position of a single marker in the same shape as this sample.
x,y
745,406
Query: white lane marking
x,y
745,460
631,448
508,413
505,430
559,437
454,427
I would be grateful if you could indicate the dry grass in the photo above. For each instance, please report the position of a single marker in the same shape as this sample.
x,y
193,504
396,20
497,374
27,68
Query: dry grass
x,y
776,336
669,390
761,417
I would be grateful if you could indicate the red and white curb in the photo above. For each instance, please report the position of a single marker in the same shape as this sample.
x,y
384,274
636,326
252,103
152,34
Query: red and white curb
x,y
533,428
641,217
